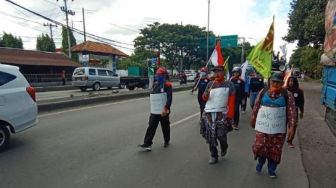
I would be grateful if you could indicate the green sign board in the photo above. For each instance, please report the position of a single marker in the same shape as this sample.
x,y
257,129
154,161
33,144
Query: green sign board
x,y
226,41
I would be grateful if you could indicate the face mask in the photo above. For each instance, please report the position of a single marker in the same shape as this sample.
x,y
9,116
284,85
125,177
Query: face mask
x,y
203,74
160,79
275,89
220,77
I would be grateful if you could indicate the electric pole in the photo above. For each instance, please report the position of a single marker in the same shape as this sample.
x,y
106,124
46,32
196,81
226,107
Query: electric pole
x,y
66,11
84,25
243,50
208,31
50,26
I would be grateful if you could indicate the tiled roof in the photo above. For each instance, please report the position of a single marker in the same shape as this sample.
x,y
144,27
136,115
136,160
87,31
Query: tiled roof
x,y
96,47
16,56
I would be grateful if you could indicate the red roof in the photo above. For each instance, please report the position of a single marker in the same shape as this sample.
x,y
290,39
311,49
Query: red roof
x,y
96,47
16,56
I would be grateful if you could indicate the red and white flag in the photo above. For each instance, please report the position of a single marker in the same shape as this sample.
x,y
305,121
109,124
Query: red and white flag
x,y
216,57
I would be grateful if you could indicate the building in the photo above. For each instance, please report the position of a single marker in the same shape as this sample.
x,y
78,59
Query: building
x,y
97,54
38,66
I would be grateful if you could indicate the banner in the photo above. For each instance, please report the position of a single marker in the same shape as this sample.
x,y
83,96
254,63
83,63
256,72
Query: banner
x,y
261,55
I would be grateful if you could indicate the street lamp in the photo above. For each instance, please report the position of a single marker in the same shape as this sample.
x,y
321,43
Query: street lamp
x,y
208,31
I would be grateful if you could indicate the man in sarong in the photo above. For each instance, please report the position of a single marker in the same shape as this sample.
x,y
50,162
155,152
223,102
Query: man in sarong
x,y
219,112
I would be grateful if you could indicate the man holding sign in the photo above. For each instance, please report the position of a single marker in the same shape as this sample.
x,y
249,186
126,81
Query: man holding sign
x,y
219,112
273,113
160,102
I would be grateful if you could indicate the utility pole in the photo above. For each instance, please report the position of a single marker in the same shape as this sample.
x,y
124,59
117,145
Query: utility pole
x,y
243,50
50,26
208,31
66,11
84,25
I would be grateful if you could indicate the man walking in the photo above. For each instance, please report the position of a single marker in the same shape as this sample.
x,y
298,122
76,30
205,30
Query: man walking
x,y
160,99
219,111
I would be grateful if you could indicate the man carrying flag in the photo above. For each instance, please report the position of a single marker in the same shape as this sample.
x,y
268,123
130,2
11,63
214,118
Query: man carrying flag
x,y
261,55
219,108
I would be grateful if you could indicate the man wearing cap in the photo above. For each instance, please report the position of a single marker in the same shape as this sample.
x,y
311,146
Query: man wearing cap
x,y
219,111
274,111
160,99
240,93
255,86
201,84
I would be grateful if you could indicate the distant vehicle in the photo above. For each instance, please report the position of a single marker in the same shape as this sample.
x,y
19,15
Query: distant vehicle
x,y
191,74
18,108
328,97
95,78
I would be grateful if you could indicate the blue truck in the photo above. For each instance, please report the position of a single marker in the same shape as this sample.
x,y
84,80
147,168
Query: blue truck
x,y
328,60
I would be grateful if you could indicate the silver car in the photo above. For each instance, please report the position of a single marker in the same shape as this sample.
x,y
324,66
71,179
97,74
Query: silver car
x,y
95,78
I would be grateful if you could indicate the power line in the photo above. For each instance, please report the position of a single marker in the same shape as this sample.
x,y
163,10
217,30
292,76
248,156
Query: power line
x,y
75,30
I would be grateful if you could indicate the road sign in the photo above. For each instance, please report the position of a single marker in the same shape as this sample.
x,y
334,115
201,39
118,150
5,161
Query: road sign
x,y
227,41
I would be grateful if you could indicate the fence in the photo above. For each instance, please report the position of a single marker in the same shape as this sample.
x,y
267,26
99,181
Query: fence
x,y
47,79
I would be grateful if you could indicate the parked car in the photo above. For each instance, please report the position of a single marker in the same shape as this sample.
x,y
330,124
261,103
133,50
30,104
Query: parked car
x,y
95,78
18,108
191,74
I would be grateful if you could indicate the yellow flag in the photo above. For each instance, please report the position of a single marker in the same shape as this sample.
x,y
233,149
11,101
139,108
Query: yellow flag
x,y
261,55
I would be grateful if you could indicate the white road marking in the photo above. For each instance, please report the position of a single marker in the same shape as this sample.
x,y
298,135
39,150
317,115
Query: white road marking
x,y
89,107
101,105
183,120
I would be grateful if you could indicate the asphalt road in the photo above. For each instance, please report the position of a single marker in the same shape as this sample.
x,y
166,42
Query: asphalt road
x,y
97,147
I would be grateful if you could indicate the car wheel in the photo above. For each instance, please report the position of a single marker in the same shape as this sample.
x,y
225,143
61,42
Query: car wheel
x,y
131,87
4,137
96,86
122,86
83,88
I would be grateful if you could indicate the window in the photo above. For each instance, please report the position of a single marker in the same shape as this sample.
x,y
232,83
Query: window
x,y
5,78
110,73
79,72
102,73
92,71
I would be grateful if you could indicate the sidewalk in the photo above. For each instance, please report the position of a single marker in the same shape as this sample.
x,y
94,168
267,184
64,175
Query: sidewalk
x,y
318,144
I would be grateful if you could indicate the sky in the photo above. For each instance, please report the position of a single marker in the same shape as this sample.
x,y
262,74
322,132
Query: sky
x,y
121,20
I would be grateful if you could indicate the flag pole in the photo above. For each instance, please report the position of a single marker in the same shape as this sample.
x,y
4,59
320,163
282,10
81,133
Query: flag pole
x,y
223,68
198,81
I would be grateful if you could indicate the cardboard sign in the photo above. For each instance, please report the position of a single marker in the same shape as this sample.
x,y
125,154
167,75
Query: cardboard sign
x,y
157,102
218,100
271,120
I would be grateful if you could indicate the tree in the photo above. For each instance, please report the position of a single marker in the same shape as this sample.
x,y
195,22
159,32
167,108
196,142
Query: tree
x,y
65,45
307,59
8,40
306,22
45,43
175,42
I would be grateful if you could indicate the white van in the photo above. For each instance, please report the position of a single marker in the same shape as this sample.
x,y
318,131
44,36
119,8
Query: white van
x,y
95,78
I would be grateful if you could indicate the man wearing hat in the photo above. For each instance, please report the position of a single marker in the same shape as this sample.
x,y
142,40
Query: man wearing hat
x,y
240,93
160,99
219,111
201,84
274,112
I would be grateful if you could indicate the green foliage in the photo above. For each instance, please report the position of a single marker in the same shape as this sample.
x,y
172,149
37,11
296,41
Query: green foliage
x,y
139,59
175,42
65,45
235,54
306,22
8,40
307,59
45,43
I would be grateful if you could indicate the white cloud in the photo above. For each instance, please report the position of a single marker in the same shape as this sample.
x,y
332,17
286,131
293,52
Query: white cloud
x,y
121,19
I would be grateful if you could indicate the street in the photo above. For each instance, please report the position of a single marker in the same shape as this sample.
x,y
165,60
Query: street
x,y
97,147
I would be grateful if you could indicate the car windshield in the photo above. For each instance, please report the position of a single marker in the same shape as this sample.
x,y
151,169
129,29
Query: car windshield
x,y
79,72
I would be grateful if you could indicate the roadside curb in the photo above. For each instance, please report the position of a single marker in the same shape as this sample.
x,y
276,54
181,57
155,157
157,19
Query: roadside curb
x,y
55,88
86,101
